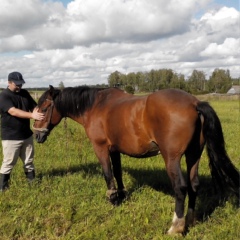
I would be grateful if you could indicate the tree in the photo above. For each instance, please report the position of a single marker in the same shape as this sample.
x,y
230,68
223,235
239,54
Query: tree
x,y
139,81
220,81
114,79
131,79
129,89
165,77
197,81
178,81
61,85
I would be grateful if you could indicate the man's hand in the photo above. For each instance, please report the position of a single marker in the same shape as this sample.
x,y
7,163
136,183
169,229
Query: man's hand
x,y
37,115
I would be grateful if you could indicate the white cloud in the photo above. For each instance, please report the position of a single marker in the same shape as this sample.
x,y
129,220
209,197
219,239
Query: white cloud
x,y
48,26
86,41
230,47
21,16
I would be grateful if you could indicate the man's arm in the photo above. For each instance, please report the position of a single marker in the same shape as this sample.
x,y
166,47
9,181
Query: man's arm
x,y
23,114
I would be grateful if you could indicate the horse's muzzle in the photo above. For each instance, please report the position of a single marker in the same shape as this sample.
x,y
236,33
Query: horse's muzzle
x,y
41,137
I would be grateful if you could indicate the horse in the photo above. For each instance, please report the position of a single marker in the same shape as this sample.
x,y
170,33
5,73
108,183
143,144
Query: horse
x,y
169,122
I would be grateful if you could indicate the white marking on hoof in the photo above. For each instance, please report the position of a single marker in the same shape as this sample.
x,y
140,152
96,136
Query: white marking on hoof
x,y
110,192
178,225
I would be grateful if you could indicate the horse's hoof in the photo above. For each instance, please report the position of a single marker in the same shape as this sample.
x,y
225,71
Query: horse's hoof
x,y
112,196
175,232
122,194
116,196
178,226
114,199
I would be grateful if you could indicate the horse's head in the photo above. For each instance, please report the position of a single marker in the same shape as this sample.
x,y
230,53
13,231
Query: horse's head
x,y
52,117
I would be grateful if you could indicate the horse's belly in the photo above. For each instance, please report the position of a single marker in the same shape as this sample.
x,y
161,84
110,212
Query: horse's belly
x,y
148,150
146,154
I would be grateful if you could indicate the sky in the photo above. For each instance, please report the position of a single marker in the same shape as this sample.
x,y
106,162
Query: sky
x,y
82,42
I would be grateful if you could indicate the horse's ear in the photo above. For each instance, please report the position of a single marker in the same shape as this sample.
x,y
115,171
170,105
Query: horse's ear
x,y
51,87
51,90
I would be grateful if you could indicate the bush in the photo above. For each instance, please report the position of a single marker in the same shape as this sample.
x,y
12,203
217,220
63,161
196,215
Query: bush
x,y
129,89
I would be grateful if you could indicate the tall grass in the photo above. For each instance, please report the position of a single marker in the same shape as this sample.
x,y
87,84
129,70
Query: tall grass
x,y
67,200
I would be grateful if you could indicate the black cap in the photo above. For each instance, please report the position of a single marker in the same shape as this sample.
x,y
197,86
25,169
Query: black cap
x,y
16,77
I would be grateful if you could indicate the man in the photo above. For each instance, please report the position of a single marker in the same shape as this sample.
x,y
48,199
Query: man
x,y
17,107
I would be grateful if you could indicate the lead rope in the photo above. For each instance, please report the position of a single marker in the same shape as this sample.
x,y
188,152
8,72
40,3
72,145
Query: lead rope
x,y
66,152
66,132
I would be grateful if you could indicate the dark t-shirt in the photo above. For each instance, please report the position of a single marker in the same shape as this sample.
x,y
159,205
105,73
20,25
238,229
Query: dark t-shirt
x,y
14,128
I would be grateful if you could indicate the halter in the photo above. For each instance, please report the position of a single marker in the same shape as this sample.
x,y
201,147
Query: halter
x,y
45,130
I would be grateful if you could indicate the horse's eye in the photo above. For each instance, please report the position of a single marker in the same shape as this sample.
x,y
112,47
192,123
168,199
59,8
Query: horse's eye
x,y
44,110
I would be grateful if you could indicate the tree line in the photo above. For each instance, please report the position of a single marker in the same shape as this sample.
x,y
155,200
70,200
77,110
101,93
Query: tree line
x,y
220,81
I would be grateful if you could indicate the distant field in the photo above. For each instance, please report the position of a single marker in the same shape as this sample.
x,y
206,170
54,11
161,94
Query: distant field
x,y
67,201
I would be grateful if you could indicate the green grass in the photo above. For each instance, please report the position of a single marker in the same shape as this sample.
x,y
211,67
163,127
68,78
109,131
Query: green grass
x,y
67,201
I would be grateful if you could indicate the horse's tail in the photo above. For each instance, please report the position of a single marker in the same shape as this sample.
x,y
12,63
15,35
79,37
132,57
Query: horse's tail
x,y
223,172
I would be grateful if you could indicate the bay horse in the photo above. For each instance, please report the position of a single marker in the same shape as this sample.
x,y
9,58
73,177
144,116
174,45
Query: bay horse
x,y
169,122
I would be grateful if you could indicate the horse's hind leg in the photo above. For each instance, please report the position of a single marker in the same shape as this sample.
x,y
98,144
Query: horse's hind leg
x,y
192,160
180,189
117,172
193,183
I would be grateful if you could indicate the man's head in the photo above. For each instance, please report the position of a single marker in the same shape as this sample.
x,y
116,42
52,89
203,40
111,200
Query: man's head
x,y
15,81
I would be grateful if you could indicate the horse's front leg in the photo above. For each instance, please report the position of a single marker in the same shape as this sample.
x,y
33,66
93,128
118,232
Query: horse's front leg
x,y
112,193
104,159
117,171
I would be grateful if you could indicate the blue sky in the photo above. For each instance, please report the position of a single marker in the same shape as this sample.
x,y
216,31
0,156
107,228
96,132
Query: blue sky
x,y
228,3
49,41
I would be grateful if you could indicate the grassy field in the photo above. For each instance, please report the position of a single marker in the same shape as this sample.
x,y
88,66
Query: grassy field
x,y
67,200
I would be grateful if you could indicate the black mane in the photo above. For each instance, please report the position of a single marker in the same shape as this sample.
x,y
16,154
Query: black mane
x,y
45,96
75,100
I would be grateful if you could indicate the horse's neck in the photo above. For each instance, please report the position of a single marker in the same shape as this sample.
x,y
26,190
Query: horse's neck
x,y
79,119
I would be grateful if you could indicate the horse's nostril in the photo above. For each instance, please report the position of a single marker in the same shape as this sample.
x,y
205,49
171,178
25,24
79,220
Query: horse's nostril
x,y
41,137
36,136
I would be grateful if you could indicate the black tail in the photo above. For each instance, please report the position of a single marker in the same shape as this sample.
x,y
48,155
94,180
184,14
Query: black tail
x,y
223,172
